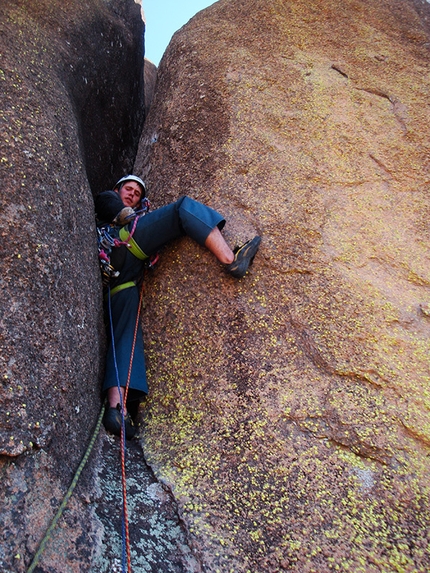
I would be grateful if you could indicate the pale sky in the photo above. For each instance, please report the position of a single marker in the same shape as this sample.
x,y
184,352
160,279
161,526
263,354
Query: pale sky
x,y
163,19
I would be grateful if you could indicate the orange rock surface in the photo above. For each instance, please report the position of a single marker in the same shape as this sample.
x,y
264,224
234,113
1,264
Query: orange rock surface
x,y
290,411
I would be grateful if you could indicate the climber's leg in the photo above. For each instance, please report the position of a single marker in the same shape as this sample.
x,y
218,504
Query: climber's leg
x,y
183,217
216,244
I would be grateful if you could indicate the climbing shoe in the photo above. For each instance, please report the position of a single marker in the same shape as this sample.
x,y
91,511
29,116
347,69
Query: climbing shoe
x,y
112,422
243,257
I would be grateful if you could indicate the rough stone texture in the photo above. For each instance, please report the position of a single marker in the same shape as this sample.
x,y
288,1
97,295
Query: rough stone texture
x,y
290,411
157,538
150,81
71,97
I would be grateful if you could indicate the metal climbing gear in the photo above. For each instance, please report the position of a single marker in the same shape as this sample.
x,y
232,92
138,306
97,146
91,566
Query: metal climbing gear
x,y
119,288
108,237
105,244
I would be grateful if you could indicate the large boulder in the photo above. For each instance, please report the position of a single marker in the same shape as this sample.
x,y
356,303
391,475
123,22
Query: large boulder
x,y
72,111
289,412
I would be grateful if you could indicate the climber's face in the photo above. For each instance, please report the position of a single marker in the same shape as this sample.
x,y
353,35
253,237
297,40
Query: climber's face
x,y
130,193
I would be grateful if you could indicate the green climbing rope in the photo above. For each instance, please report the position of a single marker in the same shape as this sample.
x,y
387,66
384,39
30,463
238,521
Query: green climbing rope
x,y
68,494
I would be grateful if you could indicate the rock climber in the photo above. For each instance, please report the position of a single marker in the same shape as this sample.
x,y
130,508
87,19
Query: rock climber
x,y
136,236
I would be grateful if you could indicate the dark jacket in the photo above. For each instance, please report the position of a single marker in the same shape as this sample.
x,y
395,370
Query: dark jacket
x,y
108,204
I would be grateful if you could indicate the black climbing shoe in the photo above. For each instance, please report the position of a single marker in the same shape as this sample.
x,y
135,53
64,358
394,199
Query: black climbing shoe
x,y
112,422
243,257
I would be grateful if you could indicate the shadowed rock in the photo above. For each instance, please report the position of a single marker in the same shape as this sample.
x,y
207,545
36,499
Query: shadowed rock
x,y
150,80
71,111
289,411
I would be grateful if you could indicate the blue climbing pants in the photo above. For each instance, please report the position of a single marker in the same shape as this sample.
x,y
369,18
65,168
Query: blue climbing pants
x,y
183,217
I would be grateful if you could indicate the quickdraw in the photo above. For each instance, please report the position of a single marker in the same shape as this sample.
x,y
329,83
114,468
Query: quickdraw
x,y
105,244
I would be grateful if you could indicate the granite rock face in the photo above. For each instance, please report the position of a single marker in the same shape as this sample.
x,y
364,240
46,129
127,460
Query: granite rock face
x,y
289,412
150,81
71,113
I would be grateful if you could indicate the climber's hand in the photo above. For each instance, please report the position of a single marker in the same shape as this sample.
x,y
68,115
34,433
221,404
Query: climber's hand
x,y
125,216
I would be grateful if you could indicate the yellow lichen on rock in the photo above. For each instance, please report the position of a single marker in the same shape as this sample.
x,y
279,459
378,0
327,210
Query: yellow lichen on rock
x,y
289,411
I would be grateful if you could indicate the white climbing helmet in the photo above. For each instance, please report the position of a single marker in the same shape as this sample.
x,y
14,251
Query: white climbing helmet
x,y
132,178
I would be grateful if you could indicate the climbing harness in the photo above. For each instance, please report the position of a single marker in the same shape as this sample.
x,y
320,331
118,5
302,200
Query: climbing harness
x,y
127,239
105,243
68,495
107,239
118,288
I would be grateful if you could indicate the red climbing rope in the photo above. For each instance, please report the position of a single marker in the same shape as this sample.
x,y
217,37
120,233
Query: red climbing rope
x,y
118,243
136,329
123,472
